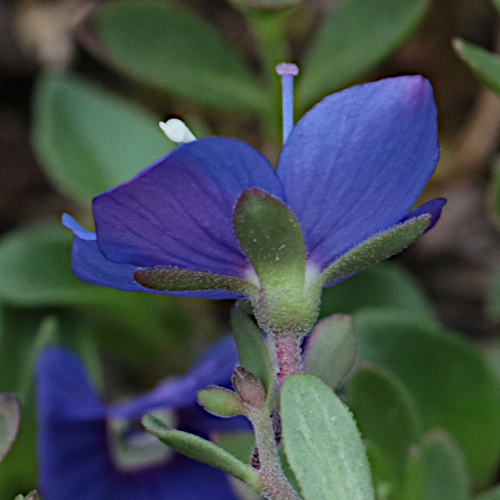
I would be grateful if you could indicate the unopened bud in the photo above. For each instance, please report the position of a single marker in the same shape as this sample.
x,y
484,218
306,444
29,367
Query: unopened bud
x,y
249,387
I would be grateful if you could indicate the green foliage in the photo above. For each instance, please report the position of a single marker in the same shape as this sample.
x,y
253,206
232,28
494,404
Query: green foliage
x,y
35,269
175,50
484,64
446,476
386,415
384,285
252,349
331,349
356,37
88,140
202,450
493,494
10,417
219,401
441,373
322,442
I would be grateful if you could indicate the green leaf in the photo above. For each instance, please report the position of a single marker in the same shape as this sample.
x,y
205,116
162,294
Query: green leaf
x,y
385,479
358,35
10,418
252,349
440,371
46,334
485,65
202,450
493,494
331,349
446,476
386,414
322,442
377,248
414,487
384,285
35,269
220,402
273,241
239,444
88,140
174,50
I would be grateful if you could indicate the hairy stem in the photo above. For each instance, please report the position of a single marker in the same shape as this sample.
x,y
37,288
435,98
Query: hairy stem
x,y
288,354
273,482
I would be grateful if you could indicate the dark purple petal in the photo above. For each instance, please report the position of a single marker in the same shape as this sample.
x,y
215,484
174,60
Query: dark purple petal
x,y
75,461
215,368
356,163
179,211
90,265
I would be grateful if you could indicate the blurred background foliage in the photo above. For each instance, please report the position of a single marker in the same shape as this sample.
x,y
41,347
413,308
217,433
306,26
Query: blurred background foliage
x,y
82,86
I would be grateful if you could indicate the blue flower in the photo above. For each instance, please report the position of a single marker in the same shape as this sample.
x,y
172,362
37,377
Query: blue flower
x,y
350,169
91,451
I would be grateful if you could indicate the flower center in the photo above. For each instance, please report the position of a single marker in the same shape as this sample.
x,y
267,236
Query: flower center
x,y
287,71
132,448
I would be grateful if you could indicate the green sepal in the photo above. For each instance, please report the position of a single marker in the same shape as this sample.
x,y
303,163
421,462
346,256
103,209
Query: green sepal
x,y
220,402
252,349
202,450
273,241
174,279
332,349
377,248
485,65
446,476
386,414
10,418
322,443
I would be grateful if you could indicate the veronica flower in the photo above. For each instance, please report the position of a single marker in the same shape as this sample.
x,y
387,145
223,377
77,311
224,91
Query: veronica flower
x,y
213,218
91,451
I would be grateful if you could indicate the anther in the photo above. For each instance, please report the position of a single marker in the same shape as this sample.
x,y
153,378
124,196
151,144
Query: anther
x,y
177,131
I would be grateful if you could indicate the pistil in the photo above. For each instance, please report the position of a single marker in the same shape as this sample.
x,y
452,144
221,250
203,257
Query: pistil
x,y
287,71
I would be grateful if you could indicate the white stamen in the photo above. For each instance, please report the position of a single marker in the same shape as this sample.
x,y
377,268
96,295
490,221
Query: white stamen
x,y
177,131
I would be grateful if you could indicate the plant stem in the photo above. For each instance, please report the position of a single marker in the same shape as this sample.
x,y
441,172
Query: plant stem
x,y
288,354
273,483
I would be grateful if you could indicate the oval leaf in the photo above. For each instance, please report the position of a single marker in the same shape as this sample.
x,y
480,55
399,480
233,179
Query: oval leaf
x,y
174,50
331,349
322,443
441,371
89,141
484,64
357,36
386,414
446,475
384,285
